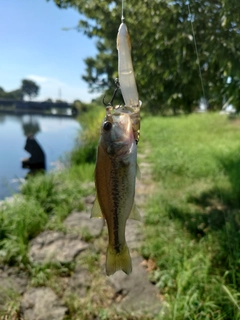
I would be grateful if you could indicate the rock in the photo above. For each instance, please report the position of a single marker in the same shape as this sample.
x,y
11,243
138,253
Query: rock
x,y
79,282
134,293
80,223
89,200
13,281
42,304
134,234
51,246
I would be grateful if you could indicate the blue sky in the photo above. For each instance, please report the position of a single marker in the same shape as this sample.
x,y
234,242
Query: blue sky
x,y
34,46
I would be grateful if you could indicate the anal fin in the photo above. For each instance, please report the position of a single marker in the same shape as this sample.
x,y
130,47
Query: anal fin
x,y
135,213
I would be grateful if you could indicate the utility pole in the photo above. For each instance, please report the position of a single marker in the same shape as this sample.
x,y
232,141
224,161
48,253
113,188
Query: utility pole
x,y
60,94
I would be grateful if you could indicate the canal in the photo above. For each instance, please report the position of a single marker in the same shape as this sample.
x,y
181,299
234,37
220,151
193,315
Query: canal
x,y
55,134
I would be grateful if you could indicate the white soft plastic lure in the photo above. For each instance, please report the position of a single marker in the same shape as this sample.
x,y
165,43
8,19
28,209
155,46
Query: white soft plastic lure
x,y
125,68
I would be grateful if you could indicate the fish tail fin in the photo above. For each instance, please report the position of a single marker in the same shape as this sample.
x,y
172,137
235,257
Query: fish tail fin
x,y
118,261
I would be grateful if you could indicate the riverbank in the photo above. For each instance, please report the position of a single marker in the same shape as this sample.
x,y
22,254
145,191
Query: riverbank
x,y
22,107
36,112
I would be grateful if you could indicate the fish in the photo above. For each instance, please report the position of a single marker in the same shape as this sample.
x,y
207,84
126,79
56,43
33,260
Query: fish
x,y
115,176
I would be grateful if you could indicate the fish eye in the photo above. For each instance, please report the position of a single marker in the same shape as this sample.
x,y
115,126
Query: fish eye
x,y
107,126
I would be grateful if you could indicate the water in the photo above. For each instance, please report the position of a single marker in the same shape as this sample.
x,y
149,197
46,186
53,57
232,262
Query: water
x,y
55,135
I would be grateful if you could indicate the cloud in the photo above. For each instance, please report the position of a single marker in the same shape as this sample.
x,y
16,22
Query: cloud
x,y
56,89
38,79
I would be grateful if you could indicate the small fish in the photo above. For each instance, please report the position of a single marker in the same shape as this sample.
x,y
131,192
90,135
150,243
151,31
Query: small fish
x,y
115,175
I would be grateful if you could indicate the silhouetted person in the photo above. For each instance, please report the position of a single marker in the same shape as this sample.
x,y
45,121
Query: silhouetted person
x,y
37,159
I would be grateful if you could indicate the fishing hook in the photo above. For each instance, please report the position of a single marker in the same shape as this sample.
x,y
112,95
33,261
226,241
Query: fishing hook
x,y
110,104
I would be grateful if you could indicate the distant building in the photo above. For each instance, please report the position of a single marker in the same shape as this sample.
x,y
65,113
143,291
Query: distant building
x,y
33,105
7,102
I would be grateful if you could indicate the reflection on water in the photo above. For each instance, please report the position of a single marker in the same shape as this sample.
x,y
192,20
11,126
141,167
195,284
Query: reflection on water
x,y
2,118
30,128
56,136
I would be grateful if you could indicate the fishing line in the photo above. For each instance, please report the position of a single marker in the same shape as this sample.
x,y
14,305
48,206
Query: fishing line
x,y
122,12
196,49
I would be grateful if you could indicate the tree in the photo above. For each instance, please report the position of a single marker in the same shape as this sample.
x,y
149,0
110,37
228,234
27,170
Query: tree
x,y
15,94
164,55
29,88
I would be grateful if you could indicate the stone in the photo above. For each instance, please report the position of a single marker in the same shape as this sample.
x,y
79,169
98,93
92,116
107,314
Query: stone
x,y
134,292
51,246
12,281
41,304
82,224
134,234
79,282
89,200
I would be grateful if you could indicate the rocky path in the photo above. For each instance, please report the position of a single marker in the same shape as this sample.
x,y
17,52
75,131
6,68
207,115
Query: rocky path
x,y
82,239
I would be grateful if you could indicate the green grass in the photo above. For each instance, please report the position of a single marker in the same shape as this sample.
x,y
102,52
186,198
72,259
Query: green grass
x,y
19,222
193,219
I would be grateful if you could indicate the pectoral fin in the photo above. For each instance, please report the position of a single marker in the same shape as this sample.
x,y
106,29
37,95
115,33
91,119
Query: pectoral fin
x,y
135,213
96,210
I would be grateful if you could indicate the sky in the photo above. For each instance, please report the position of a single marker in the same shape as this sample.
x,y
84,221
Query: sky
x,y
33,45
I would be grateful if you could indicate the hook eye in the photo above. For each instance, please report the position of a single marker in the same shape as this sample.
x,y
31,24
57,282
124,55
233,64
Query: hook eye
x,y
107,126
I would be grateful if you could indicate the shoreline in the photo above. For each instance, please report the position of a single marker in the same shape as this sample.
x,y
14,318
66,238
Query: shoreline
x,y
34,112
58,166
